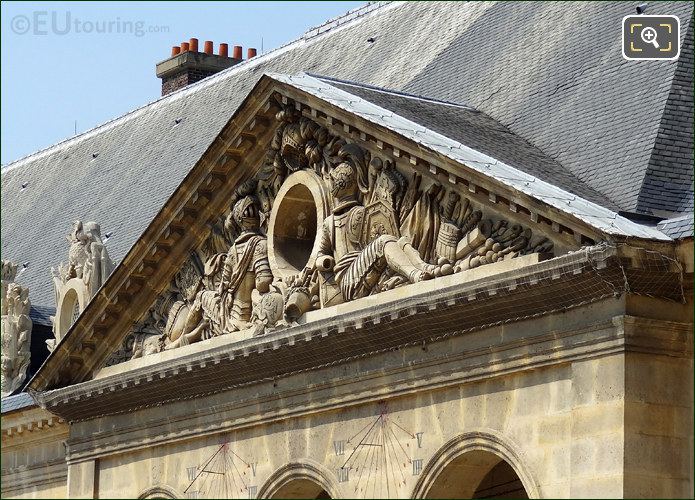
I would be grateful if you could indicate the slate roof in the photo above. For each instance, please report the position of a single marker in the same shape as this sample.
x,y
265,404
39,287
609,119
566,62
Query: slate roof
x,y
678,227
669,179
17,402
525,65
476,130
553,73
595,215
42,314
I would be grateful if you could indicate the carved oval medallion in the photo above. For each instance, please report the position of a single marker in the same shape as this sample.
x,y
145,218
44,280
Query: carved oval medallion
x,y
301,205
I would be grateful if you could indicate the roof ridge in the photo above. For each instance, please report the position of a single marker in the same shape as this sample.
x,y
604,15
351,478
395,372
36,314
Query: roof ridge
x,y
336,21
384,90
356,14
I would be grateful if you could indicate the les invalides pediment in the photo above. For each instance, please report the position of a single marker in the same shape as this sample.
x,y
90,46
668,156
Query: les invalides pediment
x,y
316,214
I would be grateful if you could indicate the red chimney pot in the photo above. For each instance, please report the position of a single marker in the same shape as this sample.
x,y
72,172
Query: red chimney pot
x,y
224,50
184,47
175,50
237,52
251,53
208,47
193,43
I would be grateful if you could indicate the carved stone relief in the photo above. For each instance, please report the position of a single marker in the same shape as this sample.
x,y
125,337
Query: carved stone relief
x,y
16,330
341,223
76,282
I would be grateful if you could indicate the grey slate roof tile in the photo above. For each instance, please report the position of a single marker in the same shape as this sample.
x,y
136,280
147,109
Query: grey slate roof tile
x,y
582,106
17,402
678,227
597,216
477,130
587,89
41,315
672,156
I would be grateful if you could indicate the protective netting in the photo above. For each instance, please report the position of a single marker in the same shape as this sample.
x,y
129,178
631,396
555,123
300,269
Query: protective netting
x,y
418,315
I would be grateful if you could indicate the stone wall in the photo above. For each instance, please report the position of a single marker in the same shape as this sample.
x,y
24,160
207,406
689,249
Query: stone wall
x,y
563,402
33,455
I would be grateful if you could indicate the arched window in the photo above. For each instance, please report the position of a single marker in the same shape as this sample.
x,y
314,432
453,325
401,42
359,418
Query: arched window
x,y
300,480
160,491
476,465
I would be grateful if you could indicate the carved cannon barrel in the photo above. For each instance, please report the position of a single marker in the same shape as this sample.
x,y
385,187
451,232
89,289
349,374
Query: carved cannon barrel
x,y
325,263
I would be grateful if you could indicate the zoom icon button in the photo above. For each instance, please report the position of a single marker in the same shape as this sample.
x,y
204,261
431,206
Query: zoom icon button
x,y
651,37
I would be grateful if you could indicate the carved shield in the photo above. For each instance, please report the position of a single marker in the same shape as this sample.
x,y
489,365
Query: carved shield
x,y
379,218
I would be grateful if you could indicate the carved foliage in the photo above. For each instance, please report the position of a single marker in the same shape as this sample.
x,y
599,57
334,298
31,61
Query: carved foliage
x,y
16,330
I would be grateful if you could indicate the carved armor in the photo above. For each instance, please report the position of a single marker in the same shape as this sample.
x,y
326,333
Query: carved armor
x,y
246,268
361,259
226,303
388,227
358,267
342,231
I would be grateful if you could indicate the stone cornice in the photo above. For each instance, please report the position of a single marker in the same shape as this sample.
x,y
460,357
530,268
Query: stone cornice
x,y
22,478
181,225
32,420
406,371
404,317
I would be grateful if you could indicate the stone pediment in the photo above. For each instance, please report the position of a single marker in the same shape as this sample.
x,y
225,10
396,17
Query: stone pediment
x,y
313,202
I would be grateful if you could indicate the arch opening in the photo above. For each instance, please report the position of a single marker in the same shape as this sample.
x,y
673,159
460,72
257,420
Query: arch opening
x,y
160,491
305,479
70,309
301,488
477,474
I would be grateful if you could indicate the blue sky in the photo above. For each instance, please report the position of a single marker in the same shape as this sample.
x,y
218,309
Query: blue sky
x,y
56,69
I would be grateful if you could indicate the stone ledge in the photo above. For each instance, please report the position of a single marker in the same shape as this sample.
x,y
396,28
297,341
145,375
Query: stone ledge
x,y
23,477
459,360
419,318
244,340
28,420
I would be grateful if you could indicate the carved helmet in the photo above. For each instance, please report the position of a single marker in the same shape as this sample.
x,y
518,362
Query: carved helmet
x,y
245,212
350,176
343,180
292,148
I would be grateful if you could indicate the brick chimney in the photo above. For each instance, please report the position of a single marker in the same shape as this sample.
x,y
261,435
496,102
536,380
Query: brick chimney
x,y
186,65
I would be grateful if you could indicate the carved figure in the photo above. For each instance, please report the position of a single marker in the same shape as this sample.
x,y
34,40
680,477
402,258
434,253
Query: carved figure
x,y
88,262
88,258
388,227
16,331
359,254
79,251
226,305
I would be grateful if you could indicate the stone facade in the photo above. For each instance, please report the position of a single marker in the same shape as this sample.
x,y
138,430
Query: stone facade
x,y
520,377
33,454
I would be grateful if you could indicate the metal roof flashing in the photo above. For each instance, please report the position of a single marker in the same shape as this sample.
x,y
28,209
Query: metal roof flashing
x,y
600,218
